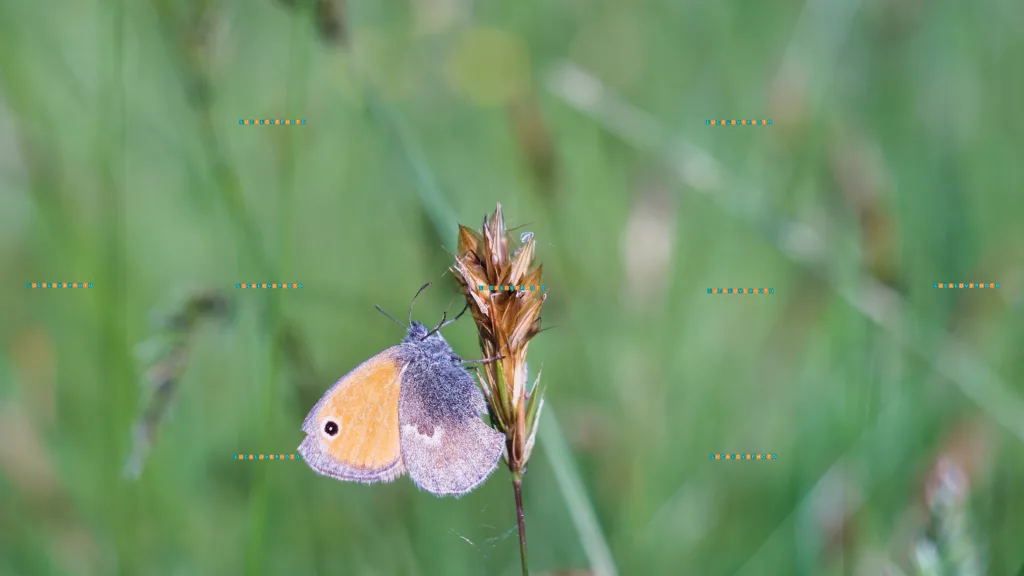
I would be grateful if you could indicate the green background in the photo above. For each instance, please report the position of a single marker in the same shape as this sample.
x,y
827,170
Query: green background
x,y
896,136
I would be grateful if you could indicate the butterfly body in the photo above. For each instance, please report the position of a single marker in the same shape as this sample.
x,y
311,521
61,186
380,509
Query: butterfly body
x,y
411,408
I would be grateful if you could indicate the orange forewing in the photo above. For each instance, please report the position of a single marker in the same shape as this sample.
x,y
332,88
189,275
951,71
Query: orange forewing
x,y
365,406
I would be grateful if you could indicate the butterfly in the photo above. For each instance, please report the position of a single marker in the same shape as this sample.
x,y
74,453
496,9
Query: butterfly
x,y
411,408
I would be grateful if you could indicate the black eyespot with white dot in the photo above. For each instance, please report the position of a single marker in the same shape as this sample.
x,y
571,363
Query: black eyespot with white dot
x,y
331,428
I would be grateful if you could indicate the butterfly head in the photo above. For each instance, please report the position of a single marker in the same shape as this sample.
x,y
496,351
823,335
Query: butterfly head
x,y
429,340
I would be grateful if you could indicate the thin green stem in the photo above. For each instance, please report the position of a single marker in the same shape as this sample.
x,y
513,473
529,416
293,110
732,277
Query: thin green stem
x,y
517,486
110,146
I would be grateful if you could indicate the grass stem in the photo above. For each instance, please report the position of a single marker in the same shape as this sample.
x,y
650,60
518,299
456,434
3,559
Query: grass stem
x,y
517,486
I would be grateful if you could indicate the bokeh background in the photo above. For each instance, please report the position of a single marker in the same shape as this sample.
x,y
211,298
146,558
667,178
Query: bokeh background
x,y
893,162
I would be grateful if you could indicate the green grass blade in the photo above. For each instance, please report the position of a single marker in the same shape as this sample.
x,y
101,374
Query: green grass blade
x,y
583,516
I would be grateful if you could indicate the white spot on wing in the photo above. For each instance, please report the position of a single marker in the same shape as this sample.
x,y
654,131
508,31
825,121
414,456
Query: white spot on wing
x,y
434,440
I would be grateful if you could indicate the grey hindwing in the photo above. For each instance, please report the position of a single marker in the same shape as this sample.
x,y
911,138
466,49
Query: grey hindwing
x,y
447,449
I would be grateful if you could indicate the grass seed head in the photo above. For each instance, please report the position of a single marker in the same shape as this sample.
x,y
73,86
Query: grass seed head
x,y
506,321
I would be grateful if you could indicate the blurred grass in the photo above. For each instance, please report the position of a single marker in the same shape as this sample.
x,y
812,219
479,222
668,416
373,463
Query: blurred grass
x,y
122,163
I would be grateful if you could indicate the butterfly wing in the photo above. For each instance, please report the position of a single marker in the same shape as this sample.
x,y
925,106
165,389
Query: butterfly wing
x,y
353,432
446,447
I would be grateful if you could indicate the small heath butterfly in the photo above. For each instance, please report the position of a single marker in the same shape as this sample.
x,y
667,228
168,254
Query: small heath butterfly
x,y
411,408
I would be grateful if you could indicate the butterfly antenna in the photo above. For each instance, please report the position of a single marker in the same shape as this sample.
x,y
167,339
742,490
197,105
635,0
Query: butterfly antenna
x,y
444,315
422,288
381,310
459,315
445,322
450,302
